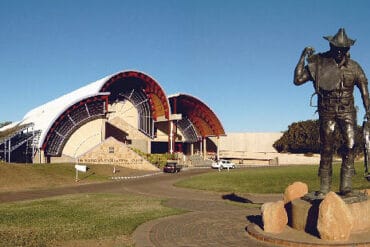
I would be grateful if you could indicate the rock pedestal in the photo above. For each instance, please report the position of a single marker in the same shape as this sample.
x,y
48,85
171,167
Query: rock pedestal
x,y
274,217
341,220
294,191
361,215
335,221
331,218
304,215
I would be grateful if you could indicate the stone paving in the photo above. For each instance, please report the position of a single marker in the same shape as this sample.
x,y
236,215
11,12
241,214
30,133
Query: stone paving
x,y
211,220
200,228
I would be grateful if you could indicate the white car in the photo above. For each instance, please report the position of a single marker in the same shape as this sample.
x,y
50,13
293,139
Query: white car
x,y
223,164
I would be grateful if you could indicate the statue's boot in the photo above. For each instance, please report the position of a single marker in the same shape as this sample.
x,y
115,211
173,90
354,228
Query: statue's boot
x,y
345,187
325,183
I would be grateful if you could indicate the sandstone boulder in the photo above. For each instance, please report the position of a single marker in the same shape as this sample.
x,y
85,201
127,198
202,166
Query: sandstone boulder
x,y
360,214
274,217
335,221
294,191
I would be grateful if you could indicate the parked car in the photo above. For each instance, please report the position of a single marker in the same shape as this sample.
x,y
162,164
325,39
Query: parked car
x,y
223,164
172,167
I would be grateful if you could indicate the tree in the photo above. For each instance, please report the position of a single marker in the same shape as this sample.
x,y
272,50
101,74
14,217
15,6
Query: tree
x,y
304,137
301,137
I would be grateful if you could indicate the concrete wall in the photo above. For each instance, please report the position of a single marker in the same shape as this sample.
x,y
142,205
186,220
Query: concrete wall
x,y
84,138
138,139
249,142
63,159
133,132
257,149
124,110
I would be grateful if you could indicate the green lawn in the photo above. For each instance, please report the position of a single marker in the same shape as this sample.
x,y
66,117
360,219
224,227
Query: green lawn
x,y
16,177
55,221
267,179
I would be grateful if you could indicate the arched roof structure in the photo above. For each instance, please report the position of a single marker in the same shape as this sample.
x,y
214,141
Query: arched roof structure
x,y
58,119
55,121
198,120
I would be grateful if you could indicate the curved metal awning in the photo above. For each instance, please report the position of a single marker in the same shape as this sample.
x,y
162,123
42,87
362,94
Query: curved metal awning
x,y
144,93
70,120
201,117
133,82
187,128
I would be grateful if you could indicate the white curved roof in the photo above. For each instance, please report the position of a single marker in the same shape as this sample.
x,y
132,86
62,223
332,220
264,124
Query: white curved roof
x,y
44,116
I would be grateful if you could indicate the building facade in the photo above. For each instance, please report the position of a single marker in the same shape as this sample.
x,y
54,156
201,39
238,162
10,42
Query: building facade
x,y
128,108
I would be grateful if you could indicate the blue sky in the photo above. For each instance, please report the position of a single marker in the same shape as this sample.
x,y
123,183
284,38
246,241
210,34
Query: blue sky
x,y
237,56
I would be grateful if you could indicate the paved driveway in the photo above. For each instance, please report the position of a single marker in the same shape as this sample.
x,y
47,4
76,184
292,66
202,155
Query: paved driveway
x,y
212,221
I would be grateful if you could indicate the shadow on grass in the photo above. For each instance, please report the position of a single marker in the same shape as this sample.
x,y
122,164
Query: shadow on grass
x,y
235,198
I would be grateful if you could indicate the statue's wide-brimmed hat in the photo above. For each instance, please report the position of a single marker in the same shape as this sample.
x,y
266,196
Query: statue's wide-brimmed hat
x,y
340,39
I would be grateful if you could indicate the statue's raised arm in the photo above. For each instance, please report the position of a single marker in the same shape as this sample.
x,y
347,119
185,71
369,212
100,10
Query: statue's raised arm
x,y
301,74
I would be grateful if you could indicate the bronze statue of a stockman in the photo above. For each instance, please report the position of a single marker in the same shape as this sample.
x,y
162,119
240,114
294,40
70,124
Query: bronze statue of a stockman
x,y
334,75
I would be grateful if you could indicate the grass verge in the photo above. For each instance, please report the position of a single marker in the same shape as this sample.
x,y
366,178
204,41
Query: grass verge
x,y
15,177
59,220
267,179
